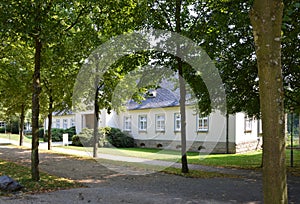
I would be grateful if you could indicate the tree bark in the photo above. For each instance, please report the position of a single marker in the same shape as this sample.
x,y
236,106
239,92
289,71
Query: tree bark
x,y
49,134
22,119
184,168
35,111
96,115
266,18
96,119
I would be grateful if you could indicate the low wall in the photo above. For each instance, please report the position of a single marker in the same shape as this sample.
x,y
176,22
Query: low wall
x,y
196,146
249,146
205,147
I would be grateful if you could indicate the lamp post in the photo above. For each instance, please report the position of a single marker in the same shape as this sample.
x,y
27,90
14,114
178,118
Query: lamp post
x,y
292,130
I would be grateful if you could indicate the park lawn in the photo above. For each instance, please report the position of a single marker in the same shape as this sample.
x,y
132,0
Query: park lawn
x,y
146,153
16,137
250,160
22,174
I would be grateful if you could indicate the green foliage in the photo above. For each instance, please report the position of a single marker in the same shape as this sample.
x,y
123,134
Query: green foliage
x,y
57,134
84,138
13,127
119,139
41,133
2,129
108,136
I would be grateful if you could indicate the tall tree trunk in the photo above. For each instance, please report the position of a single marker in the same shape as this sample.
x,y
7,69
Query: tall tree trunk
x,y
96,117
266,18
35,111
22,119
227,132
182,89
96,135
50,122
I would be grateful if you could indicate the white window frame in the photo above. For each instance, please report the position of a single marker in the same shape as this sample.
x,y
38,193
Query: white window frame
x,y
142,122
127,123
72,122
202,123
65,123
177,122
57,123
160,122
248,124
2,124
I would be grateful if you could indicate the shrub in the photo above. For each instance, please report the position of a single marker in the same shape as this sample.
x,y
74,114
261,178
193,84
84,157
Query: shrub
x,y
71,132
118,138
107,136
41,133
13,127
2,129
76,141
57,134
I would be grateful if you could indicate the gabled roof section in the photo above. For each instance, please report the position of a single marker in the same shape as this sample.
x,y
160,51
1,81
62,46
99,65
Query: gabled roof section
x,y
162,98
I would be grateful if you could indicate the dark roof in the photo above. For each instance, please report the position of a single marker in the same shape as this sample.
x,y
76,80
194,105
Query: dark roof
x,y
163,98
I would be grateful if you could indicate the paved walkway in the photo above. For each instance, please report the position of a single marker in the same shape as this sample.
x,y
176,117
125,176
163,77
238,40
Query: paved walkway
x,y
56,146
107,185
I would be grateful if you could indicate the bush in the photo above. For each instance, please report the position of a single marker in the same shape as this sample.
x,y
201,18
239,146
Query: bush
x,y
84,138
41,133
2,129
107,136
13,127
57,134
71,132
119,139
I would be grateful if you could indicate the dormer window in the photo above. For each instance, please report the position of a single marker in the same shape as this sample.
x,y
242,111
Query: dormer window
x,y
151,94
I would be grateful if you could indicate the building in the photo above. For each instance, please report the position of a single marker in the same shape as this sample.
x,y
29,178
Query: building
x,y
156,123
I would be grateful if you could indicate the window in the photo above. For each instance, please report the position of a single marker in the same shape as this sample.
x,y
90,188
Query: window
x,y
160,122
65,123
2,124
202,125
177,122
127,123
142,122
57,122
72,122
248,125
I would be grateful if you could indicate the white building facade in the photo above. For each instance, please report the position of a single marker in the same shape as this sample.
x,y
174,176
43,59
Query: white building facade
x,y
156,123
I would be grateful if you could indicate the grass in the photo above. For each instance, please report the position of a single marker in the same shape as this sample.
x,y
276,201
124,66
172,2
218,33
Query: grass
x,y
22,174
15,137
167,155
251,160
198,174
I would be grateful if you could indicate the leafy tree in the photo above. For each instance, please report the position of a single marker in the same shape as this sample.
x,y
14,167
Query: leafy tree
x,y
290,56
40,24
15,70
63,61
266,18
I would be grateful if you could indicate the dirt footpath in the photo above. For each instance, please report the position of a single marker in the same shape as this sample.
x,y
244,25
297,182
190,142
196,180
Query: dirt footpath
x,y
108,186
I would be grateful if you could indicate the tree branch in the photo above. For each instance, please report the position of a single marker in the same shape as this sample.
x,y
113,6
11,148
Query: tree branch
x,y
166,16
76,21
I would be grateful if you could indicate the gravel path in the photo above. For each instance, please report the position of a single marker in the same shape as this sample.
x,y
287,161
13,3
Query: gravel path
x,y
108,186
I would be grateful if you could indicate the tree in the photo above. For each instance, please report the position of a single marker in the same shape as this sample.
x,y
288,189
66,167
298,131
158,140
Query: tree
x,y
15,71
266,18
39,23
62,62
290,58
